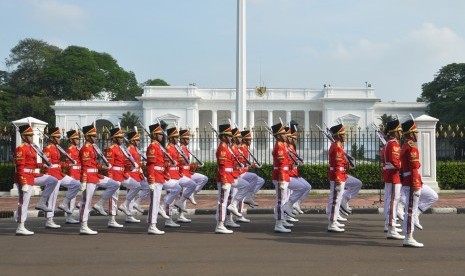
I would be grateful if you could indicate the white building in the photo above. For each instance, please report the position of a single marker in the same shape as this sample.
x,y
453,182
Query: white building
x,y
193,107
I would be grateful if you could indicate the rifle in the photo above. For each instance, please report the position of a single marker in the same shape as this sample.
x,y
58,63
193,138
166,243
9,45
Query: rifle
x,y
60,149
38,151
126,152
176,146
240,152
137,149
98,150
380,134
270,131
327,134
229,149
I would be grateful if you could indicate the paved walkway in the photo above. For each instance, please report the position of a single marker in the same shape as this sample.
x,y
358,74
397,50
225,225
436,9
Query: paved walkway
x,y
316,202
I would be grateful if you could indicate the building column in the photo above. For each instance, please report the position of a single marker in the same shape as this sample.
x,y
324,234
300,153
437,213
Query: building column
x,y
251,119
306,127
288,117
233,117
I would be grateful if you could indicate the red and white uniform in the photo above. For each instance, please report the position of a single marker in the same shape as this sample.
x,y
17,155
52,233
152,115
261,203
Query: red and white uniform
x,y
337,177
298,186
74,170
188,170
224,178
89,174
27,173
390,157
281,177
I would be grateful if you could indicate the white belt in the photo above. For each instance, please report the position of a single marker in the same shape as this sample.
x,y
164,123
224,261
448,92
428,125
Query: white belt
x,y
92,170
388,166
228,169
31,170
75,167
157,168
55,166
186,167
406,173
283,168
340,169
174,168
115,168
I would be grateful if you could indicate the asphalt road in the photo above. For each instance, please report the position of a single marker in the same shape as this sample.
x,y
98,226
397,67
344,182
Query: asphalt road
x,y
253,250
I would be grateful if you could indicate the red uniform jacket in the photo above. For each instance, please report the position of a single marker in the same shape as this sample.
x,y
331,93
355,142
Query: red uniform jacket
x,y
54,155
390,155
293,170
237,167
226,164
26,164
337,163
185,168
129,169
173,152
74,170
89,164
155,163
116,158
281,162
243,157
410,164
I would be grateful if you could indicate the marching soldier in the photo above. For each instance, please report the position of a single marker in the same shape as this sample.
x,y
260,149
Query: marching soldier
x,y
257,185
337,177
243,183
90,179
135,175
188,170
391,167
187,181
281,178
26,176
298,185
155,176
224,178
72,185
74,171
411,181
117,159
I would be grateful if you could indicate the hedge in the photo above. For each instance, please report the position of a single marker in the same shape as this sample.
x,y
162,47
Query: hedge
x,y
450,175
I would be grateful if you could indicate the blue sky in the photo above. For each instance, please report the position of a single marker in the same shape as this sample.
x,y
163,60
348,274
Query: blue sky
x,y
396,45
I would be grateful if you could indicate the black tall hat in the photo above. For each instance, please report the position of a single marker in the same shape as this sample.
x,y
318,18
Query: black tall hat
x,y
392,126
409,127
155,129
225,130
172,132
278,129
337,130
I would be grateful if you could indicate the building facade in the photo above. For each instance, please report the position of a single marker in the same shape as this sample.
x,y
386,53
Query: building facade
x,y
193,107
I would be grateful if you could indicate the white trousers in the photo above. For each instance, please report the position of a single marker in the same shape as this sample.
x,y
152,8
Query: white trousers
x,y
411,206
241,186
281,195
73,188
428,197
173,189
223,195
132,186
144,191
188,186
391,200
352,187
111,188
299,189
155,196
334,202
200,180
48,182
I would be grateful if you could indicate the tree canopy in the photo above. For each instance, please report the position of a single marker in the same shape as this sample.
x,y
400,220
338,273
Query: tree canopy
x,y
42,73
445,95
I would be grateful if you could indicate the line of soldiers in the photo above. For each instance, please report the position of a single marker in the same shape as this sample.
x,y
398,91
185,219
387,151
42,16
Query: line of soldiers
x,y
170,169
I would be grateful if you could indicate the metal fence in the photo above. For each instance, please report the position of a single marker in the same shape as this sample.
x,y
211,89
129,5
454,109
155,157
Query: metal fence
x,y
312,145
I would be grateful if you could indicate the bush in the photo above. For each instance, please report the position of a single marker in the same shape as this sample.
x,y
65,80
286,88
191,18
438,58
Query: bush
x,y
451,175
7,173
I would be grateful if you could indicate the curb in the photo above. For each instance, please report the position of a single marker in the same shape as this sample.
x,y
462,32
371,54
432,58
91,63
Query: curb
x,y
250,211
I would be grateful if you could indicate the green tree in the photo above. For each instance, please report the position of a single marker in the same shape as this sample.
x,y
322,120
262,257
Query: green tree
x,y
129,120
155,82
445,95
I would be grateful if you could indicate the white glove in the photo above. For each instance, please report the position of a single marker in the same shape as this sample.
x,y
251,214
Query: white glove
x,y
83,186
152,187
338,187
107,168
283,185
25,188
